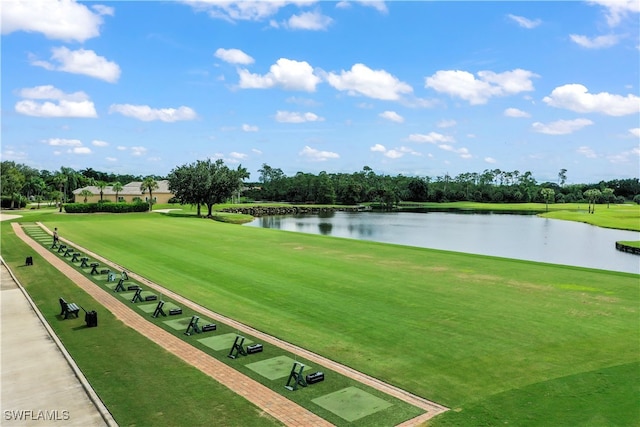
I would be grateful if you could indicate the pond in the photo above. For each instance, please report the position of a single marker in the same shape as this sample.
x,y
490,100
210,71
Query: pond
x,y
526,237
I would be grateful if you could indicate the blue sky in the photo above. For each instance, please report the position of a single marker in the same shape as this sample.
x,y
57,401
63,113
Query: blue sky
x,y
412,88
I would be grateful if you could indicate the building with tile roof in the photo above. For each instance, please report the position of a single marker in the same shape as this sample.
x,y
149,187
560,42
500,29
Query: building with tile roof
x,y
128,193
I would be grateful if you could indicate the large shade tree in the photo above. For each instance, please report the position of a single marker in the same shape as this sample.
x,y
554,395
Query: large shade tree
x,y
205,183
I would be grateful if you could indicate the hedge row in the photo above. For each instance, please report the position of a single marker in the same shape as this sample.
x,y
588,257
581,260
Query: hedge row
x,y
7,202
105,207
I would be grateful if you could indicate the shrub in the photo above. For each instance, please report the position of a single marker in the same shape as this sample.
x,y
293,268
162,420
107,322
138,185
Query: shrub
x,y
105,207
636,199
7,202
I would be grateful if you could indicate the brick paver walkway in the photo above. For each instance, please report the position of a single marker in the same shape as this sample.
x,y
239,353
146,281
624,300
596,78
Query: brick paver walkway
x,y
274,404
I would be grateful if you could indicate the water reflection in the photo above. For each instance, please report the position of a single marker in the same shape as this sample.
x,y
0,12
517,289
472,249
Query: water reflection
x,y
325,228
511,236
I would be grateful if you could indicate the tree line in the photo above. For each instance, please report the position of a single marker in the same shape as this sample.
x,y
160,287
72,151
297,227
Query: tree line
x,y
21,183
206,182
494,186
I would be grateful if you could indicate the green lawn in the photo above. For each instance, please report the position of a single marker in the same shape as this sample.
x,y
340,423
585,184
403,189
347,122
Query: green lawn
x,y
624,217
140,383
482,335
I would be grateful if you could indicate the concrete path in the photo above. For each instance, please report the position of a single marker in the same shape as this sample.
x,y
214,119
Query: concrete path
x,y
41,386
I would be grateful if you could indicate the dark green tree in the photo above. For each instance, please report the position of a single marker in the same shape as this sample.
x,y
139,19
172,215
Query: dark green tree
x,y
149,184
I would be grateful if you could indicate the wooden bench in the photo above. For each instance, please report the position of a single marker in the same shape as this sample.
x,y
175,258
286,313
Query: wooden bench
x,y
68,309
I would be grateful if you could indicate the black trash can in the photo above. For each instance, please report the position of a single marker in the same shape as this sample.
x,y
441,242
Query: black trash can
x,y
91,318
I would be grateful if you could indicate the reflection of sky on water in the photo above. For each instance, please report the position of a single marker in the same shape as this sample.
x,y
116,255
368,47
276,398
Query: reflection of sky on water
x,y
512,236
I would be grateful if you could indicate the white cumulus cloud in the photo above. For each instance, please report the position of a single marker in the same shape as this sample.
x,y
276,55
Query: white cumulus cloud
x,y
296,117
362,80
462,151
431,137
561,127
76,104
62,142
576,97
625,156
392,116
314,21
249,128
464,85
394,153
286,73
617,10
56,19
79,150
598,42
98,143
51,92
147,114
244,10
379,5
586,151
318,155
446,123
525,22
635,132
514,112
490,160
138,151
234,56
81,61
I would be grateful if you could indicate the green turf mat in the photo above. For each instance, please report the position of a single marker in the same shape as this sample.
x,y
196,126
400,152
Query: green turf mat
x,y
351,403
129,295
274,368
183,322
112,285
150,308
220,342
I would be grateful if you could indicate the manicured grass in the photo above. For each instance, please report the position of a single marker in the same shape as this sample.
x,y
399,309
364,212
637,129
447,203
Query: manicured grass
x,y
139,382
458,329
219,343
632,243
597,398
624,217
471,332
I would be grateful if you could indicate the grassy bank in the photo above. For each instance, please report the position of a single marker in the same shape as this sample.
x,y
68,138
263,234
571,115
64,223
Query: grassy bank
x,y
471,332
623,217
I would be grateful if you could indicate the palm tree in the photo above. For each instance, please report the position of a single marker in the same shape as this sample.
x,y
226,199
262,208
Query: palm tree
x,y
86,193
548,194
607,193
149,184
60,180
592,195
117,187
241,174
101,185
